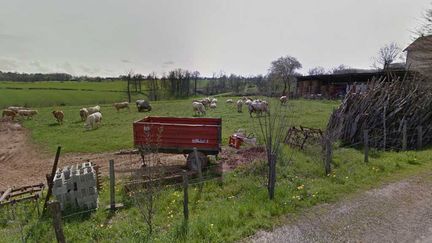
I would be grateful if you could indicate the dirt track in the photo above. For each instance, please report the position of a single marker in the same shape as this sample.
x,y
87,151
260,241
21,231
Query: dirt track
x,y
21,163
397,212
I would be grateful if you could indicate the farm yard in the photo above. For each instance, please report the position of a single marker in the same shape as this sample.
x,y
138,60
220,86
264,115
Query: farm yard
x,y
240,202
215,121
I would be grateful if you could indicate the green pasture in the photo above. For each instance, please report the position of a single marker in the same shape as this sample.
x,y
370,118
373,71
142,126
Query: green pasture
x,y
115,133
76,85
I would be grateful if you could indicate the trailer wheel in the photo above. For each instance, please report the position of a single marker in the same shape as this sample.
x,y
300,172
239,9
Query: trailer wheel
x,y
192,164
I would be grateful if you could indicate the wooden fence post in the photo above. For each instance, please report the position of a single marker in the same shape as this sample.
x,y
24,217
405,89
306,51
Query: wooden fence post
x,y
185,195
366,145
328,154
419,137
54,208
404,136
112,185
197,159
50,179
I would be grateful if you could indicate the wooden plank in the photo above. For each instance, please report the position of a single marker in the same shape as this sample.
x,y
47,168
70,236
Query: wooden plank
x,y
50,179
5,194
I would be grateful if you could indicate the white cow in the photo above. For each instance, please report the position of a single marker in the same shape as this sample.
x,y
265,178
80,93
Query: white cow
x,y
283,99
83,114
213,106
93,121
258,107
198,108
93,109
239,105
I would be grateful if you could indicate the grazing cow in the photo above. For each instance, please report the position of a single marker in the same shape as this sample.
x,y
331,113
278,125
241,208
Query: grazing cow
x,y
27,113
83,114
258,107
213,106
58,115
143,105
9,113
205,102
198,108
121,105
239,106
283,99
93,109
93,121
214,100
16,108
229,101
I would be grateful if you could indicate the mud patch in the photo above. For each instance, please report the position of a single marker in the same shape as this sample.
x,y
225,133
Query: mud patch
x,y
232,158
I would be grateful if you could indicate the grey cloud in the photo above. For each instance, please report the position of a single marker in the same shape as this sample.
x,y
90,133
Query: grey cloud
x,y
8,65
67,67
126,61
90,70
168,63
39,67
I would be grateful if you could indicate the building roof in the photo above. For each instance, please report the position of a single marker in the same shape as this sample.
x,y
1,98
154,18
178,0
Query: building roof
x,y
350,77
420,43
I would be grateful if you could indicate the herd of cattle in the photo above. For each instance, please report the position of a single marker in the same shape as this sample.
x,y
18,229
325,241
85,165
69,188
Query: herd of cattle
x,y
91,115
254,106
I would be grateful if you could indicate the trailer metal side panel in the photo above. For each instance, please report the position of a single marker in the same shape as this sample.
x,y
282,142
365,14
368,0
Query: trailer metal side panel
x,y
178,135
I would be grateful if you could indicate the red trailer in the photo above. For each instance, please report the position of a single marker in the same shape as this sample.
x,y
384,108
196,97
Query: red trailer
x,y
179,136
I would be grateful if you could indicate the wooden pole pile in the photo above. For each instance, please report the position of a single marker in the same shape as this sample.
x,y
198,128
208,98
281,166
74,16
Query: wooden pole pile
x,y
389,107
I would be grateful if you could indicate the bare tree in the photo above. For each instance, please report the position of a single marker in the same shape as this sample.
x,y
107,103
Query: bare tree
x,y
316,71
283,69
272,129
146,193
128,78
152,79
340,69
426,27
387,55
195,76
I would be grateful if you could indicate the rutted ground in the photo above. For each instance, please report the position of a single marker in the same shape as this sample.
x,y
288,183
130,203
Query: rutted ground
x,y
397,212
22,163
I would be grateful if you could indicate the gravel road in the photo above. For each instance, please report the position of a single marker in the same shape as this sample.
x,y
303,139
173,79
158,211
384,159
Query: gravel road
x,y
396,212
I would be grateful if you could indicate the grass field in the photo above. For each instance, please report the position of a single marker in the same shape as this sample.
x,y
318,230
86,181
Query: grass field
x,y
82,85
55,94
218,213
70,93
116,130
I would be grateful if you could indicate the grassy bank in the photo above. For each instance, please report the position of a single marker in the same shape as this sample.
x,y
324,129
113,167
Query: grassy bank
x,y
229,212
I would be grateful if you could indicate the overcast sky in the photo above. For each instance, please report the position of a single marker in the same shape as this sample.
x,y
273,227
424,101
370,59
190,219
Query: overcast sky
x,y
111,37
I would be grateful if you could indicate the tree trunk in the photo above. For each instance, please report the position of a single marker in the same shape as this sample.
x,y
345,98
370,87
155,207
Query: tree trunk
x,y
272,174
195,88
285,88
128,90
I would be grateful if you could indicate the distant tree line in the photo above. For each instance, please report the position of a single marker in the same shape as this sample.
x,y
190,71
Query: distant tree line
x,y
33,77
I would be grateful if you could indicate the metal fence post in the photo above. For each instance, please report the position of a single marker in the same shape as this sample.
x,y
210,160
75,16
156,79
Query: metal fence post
x,y
404,136
185,195
366,145
328,153
419,137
